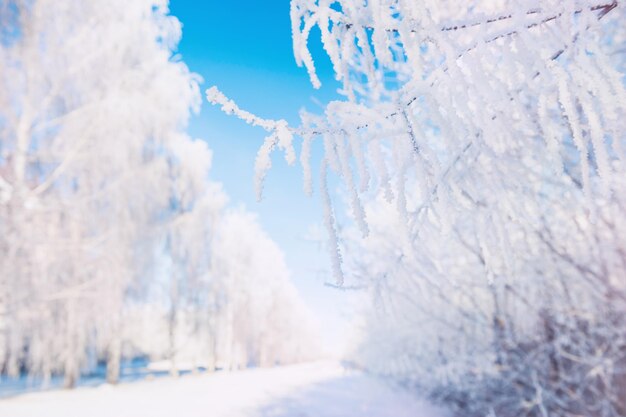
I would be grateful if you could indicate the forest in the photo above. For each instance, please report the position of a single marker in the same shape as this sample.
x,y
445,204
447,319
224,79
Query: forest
x,y
469,169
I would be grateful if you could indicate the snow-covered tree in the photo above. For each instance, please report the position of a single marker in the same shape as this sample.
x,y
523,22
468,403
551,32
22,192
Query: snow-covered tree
x,y
480,147
108,218
259,312
526,333
439,92
84,130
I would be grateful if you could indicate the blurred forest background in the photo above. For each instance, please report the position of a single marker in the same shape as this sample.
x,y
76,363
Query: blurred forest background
x,y
472,188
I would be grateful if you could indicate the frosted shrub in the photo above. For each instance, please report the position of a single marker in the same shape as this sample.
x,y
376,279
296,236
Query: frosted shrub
x,y
480,148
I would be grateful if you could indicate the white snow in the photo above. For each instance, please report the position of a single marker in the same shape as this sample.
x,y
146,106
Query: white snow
x,y
322,389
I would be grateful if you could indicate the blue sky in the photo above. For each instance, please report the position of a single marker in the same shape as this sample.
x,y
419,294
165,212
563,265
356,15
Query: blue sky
x,y
244,47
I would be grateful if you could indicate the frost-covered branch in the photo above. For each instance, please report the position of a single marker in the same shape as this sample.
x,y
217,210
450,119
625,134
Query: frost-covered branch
x,y
603,9
281,135
480,146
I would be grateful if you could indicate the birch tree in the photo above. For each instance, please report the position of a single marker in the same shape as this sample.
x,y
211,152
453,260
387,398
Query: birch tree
x,y
114,241
84,128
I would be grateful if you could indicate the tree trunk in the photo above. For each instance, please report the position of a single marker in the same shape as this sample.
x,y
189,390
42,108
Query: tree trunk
x,y
172,319
212,346
71,366
70,379
114,358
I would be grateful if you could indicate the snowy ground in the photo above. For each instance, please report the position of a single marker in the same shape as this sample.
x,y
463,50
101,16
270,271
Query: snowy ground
x,y
309,390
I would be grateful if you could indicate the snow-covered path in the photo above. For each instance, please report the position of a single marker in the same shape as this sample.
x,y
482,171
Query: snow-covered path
x,y
308,390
